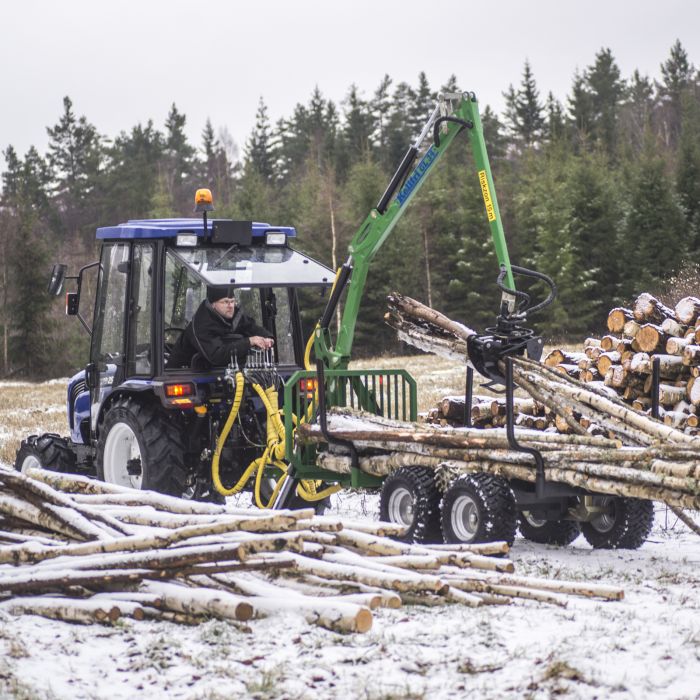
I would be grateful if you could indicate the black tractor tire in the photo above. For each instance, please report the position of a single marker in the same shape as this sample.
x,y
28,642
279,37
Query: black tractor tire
x,y
559,532
410,497
48,451
627,526
479,508
142,431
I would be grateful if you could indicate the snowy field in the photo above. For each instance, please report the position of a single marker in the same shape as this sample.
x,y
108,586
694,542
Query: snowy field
x,y
646,646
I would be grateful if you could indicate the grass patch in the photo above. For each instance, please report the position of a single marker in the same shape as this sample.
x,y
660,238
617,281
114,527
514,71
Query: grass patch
x,y
30,409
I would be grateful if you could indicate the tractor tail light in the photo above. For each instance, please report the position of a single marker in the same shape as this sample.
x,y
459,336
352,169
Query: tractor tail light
x,y
308,384
173,391
308,388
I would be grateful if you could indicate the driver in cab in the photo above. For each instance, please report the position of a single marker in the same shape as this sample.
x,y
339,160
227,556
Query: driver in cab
x,y
218,330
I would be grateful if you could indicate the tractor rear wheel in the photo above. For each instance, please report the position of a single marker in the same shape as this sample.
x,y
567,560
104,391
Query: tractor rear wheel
x,y
479,508
561,532
48,451
624,523
410,498
141,446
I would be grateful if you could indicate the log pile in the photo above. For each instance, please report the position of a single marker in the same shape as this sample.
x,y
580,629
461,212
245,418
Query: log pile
x,y
598,407
83,551
623,359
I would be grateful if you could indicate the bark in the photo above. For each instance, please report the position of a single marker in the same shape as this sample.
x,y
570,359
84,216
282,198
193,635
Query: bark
x,y
66,609
649,309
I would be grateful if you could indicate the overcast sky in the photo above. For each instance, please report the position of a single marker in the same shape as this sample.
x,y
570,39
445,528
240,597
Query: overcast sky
x,y
125,62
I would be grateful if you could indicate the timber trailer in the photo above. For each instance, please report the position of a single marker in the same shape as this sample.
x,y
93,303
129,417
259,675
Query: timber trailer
x,y
206,433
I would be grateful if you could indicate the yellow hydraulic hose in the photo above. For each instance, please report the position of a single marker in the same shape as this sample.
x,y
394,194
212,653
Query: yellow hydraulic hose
x,y
215,477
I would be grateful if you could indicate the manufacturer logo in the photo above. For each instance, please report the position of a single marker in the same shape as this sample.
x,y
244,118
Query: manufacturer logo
x,y
422,168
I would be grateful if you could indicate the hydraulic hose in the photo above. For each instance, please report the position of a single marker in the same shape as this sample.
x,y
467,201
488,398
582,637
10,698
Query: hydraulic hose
x,y
233,413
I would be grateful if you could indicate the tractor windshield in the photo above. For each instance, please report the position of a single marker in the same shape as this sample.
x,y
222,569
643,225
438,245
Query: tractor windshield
x,y
254,266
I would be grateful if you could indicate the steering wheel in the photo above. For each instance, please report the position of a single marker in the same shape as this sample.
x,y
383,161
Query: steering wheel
x,y
173,329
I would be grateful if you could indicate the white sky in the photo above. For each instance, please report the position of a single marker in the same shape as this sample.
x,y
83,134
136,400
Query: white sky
x,y
125,62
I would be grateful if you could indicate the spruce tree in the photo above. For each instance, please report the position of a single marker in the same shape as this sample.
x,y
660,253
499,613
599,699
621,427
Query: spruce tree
x,y
524,112
655,241
636,113
358,126
606,90
688,173
678,75
131,174
259,151
75,157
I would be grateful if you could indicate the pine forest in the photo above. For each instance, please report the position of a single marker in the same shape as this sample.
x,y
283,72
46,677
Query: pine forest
x,y
599,189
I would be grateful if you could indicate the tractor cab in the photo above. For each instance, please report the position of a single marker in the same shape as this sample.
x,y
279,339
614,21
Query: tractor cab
x,y
152,277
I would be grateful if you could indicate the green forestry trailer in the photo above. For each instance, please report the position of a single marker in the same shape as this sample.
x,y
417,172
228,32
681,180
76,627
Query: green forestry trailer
x,y
207,432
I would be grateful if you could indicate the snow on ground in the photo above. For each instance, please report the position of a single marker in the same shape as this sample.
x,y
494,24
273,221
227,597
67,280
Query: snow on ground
x,y
646,646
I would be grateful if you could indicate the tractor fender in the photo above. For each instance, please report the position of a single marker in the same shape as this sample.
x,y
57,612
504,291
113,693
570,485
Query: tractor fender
x,y
131,387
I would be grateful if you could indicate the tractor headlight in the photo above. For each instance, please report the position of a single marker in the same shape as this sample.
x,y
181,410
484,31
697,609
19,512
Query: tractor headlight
x,y
186,239
275,238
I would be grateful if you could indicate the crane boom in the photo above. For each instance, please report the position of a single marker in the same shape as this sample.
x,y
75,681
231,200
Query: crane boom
x,y
453,113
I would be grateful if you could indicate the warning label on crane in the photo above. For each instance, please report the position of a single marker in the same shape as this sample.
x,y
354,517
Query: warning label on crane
x,y
488,202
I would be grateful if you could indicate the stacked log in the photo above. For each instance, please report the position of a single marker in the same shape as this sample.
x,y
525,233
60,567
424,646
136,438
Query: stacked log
x,y
78,550
644,458
623,360
490,412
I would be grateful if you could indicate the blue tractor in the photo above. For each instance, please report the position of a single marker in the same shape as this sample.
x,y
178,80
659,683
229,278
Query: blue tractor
x,y
135,421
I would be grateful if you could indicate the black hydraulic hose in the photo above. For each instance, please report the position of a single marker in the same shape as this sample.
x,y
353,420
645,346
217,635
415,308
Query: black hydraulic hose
x,y
396,181
540,276
341,281
525,298
455,120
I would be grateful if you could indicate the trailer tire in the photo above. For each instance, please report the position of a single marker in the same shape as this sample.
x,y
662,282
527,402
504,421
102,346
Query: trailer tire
x,y
479,508
140,431
410,497
48,451
559,532
627,526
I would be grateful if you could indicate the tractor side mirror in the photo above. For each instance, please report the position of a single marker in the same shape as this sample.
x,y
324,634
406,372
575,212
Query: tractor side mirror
x,y
58,277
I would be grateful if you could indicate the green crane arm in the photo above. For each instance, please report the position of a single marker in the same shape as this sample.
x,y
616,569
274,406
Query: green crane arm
x,y
453,113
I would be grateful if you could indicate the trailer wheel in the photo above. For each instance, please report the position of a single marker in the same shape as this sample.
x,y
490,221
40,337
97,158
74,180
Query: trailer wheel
x,y
48,451
560,532
625,524
141,447
479,508
410,498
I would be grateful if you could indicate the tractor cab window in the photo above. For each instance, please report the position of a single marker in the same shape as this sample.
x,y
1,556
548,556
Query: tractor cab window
x,y
184,292
108,332
270,307
140,310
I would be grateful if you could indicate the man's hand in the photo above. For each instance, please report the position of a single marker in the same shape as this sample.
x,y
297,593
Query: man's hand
x,y
257,341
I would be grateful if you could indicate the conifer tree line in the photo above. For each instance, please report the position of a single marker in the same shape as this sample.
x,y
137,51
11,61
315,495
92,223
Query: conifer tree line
x,y
599,189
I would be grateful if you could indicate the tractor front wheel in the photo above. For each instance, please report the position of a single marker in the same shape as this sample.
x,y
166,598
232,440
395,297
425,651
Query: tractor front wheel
x,y
623,523
479,508
140,446
48,451
411,499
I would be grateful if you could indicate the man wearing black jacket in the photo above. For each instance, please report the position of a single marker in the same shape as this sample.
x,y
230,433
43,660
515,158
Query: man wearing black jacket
x,y
218,330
